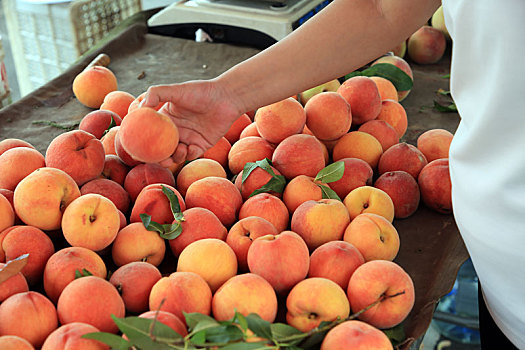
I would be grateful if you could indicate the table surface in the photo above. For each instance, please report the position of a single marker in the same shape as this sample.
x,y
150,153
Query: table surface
x,y
431,248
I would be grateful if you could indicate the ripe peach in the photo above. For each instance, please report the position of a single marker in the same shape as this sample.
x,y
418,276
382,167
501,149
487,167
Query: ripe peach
x,y
13,342
168,319
368,199
100,299
402,156
434,143
328,115
196,170
152,201
250,130
78,153
91,221
148,136
97,122
374,236
135,243
363,96
63,265
108,141
358,144
246,150
356,335
219,152
146,174
394,114
277,121
236,128
427,45
283,260
14,284
93,84
242,234
257,179
401,64
266,206
218,195
318,222
115,169
7,213
118,102
402,189
387,90
16,163
6,144
134,282
336,261
109,189
247,293
299,155
313,301
435,186
122,153
181,292
357,173
69,336
135,104
376,280
382,131
300,189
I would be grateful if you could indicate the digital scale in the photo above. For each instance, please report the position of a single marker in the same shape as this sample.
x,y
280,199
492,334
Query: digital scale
x,y
257,23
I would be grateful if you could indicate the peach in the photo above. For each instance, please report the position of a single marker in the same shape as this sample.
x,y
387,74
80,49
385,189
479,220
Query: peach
x,y
218,195
281,119
219,152
109,189
401,64
78,153
122,153
300,189
100,299
387,90
15,284
400,49
313,301
211,258
427,45
7,213
181,292
154,202
318,222
36,317
63,266
234,133
247,293
394,114
134,282
118,102
402,189
199,223
435,186
41,197
242,234
336,261
374,236
123,220
108,141
28,240
363,96
356,335
114,169
434,143
402,156
250,130
283,260
146,174
135,103
328,115
168,319
384,281
93,84
6,144
357,173
257,179
358,144
368,199
97,122
247,150
196,170
148,136
269,207
135,243
382,131
299,155
438,22
69,336
13,342
16,163
91,221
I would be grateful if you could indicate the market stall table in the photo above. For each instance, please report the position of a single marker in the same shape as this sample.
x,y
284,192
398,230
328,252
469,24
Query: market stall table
x,y
431,248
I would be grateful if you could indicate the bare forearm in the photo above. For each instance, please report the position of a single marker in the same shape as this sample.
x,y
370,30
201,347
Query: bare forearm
x,y
344,36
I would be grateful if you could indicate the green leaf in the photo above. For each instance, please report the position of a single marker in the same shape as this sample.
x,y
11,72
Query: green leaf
x,y
171,231
138,329
395,334
281,331
446,76
451,108
62,126
275,184
331,173
113,340
83,273
265,164
259,326
245,346
194,318
397,76
247,170
313,341
174,200
443,92
199,338
328,193
149,224
111,124
224,334
241,320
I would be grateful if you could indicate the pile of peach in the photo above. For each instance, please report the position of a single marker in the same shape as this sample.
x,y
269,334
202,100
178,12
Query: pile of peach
x,y
324,258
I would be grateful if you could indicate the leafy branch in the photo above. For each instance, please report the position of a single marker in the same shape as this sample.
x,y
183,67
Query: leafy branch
x,y
331,173
62,126
397,76
276,182
167,231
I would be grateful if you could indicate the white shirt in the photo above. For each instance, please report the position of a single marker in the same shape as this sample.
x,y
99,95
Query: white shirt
x,y
487,155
